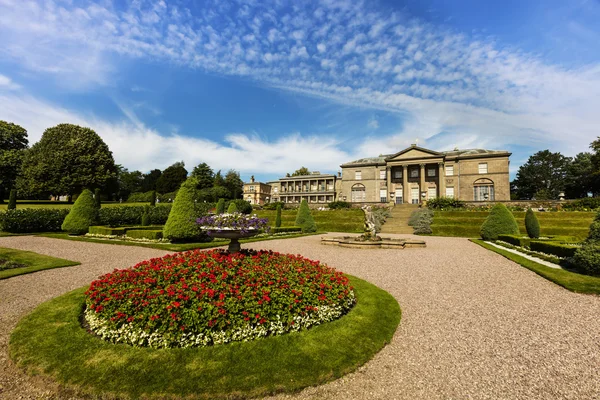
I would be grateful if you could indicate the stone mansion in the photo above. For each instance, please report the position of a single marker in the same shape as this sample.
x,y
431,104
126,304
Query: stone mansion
x,y
412,175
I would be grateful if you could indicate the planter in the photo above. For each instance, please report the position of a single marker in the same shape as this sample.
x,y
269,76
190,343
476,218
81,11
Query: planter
x,y
234,236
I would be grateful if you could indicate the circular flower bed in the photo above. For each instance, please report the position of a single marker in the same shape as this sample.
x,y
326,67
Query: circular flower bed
x,y
199,298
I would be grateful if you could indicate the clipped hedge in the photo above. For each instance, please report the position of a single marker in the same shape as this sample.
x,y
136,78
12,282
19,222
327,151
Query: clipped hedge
x,y
31,220
132,215
241,205
286,229
106,230
554,248
154,234
337,205
515,240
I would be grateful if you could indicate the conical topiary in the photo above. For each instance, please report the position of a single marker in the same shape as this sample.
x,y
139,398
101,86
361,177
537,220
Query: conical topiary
x,y
532,224
232,208
181,225
221,206
499,222
153,198
97,198
146,216
278,216
12,200
83,214
304,218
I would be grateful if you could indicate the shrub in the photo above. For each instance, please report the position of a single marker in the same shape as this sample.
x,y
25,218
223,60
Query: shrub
x,y
444,203
421,220
273,205
587,258
380,215
31,220
587,203
241,205
181,225
594,234
140,197
146,216
500,221
221,206
250,295
232,208
132,215
97,200
554,248
83,214
12,200
278,217
286,229
532,225
152,234
168,197
336,205
515,240
304,218
105,230
153,198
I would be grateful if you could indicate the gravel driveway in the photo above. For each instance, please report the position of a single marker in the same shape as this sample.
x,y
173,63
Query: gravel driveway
x,y
474,325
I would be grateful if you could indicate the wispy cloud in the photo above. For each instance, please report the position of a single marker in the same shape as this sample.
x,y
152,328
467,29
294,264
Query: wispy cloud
x,y
7,83
475,90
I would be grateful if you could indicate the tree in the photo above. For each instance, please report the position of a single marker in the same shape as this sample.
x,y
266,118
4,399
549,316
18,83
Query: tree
x,y
150,180
172,178
82,215
580,177
205,176
12,200
304,218
543,176
13,142
97,200
301,171
67,159
129,182
234,184
595,170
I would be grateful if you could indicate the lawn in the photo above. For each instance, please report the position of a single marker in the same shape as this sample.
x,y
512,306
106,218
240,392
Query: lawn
x,y
468,223
31,262
351,221
572,281
51,341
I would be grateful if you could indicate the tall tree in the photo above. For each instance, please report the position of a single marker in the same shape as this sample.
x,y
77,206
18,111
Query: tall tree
x,y
301,171
13,142
579,177
219,190
129,182
204,175
234,184
172,178
67,159
543,176
150,180
595,160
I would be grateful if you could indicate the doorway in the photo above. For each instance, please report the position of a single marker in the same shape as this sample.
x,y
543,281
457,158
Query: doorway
x,y
414,195
399,196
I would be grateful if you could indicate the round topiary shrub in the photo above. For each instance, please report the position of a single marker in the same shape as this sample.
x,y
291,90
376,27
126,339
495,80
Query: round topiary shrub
x,y
532,225
500,221
83,214
181,225
587,258
304,218
199,298
232,208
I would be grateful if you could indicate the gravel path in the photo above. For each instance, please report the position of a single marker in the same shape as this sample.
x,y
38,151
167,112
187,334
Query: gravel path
x,y
475,325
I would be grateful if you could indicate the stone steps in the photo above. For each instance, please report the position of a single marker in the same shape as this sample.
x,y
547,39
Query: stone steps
x,y
398,222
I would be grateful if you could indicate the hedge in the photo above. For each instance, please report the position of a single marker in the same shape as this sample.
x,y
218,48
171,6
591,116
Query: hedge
x,y
154,234
286,229
30,220
105,230
132,215
554,248
515,240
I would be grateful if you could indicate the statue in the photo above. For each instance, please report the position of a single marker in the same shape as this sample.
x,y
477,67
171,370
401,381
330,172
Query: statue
x,y
371,231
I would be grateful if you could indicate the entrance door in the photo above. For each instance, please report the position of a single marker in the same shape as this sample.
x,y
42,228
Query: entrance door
x,y
414,195
399,196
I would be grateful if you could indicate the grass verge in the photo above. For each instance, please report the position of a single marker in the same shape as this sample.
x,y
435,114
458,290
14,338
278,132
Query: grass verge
x,y
572,281
51,341
33,262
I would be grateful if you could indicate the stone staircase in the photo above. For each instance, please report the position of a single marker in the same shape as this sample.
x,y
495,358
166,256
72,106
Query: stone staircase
x,y
398,222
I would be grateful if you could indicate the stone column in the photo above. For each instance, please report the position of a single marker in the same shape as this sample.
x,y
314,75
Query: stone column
x,y
422,182
388,179
405,188
441,180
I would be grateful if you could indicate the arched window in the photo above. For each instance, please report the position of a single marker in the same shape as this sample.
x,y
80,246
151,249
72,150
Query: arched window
x,y
359,194
483,190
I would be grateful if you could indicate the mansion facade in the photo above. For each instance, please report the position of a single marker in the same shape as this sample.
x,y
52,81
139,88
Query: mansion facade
x,y
412,175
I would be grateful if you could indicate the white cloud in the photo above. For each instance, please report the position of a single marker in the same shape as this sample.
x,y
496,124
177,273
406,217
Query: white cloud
x,y
373,123
7,83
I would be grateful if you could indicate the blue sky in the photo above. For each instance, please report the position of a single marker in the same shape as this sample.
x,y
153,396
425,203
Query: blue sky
x,y
265,87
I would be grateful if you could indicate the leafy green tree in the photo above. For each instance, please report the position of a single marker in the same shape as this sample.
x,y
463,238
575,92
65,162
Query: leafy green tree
x,y
532,225
595,169
304,218
234,184
172,178
150,179
12,200
67,159
221,206
13,142
232,208
500,221
205,176
543,176
278,217
181,225
153,198
580,180
129,182
82,215
218,192
301,171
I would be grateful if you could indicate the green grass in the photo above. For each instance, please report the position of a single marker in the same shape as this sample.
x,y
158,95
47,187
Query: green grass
x,y
351,221
51,342
572,281
168,246
33,261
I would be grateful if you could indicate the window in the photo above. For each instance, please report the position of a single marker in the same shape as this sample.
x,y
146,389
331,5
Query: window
x,y
359,193
414,173
483,190
430,171
275,189
357,175
383,195
483,168
252,188
449,170
397,173
382,174
450,191
431,193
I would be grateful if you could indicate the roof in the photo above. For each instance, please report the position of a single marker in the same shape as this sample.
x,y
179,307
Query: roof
x,y
311,176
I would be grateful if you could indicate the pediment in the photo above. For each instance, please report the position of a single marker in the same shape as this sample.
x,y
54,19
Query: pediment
x,y
414,152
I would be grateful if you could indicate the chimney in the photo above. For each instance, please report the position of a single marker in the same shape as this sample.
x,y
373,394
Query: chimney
x,y
339,174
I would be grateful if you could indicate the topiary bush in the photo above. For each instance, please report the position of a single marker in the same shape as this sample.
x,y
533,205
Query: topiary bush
x,y
421,220
221,206
97,198
273,205
445,203
131,215
31,220
146,216
532,225
587,257
278,217
304,218
153,198
83,214
232,208
242,206
181,225
12,200
500,221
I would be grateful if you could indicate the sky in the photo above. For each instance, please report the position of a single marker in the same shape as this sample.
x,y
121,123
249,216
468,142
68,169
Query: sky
x,y
265,87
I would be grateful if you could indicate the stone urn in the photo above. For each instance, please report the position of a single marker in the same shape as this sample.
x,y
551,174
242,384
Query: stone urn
x,y
234,236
